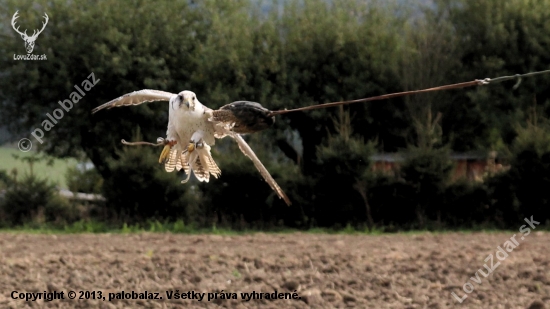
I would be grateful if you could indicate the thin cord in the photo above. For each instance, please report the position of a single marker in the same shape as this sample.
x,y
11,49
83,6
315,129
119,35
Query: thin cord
x,y
476,82
140,143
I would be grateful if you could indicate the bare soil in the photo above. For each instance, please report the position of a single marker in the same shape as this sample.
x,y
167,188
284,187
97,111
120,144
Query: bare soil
x,y
326,271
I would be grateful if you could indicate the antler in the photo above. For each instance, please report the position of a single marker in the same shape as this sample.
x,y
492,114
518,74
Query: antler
x,y
43,26
17,29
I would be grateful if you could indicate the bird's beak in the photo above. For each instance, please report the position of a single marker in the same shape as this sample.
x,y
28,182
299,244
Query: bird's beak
x,y
185,101
191,147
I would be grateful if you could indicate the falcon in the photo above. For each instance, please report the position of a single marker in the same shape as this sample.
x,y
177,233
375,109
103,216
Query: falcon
x,y
193,128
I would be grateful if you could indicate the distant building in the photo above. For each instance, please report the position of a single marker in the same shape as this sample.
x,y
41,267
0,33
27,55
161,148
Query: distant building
x,y
470,166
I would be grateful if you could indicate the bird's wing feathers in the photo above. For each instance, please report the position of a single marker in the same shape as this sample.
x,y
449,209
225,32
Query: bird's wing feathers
x,y
245,148
136,98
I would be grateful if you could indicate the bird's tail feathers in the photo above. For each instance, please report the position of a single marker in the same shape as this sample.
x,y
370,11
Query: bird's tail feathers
x,y
198,169
173,159
200,161
208,162
202,164
177,160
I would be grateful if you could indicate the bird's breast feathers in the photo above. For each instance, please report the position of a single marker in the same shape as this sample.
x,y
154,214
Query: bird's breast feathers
x,y
187,122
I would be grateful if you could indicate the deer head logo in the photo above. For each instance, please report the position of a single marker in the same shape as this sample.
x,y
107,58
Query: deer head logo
x,y
29,40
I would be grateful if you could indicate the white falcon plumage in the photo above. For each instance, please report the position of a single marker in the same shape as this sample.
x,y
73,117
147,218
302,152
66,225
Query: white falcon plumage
x,y
193,129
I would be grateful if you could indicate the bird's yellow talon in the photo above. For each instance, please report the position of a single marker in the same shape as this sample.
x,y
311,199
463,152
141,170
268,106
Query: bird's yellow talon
x,y
165,152
191,147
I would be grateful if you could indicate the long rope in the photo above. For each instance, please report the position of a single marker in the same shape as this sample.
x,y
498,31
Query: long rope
x,y
477,82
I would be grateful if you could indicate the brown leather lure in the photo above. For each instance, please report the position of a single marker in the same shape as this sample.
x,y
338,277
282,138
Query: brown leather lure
x,y
249,117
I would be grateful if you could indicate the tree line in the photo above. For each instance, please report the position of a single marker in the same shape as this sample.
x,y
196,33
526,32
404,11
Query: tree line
x,y
290,54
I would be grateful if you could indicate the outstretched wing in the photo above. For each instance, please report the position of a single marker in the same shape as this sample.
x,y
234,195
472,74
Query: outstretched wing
x,y
136,98
261,168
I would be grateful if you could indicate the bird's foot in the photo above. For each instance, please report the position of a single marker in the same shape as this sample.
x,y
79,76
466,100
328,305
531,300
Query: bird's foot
x,y
188,177
192,146
166,150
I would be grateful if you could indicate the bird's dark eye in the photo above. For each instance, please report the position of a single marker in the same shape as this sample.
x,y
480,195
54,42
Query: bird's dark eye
x,y
194,98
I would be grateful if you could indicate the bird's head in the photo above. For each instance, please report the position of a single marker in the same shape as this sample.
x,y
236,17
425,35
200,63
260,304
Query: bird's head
x,y
187,99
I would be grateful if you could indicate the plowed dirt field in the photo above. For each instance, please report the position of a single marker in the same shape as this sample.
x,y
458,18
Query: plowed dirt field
x,y
309,270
